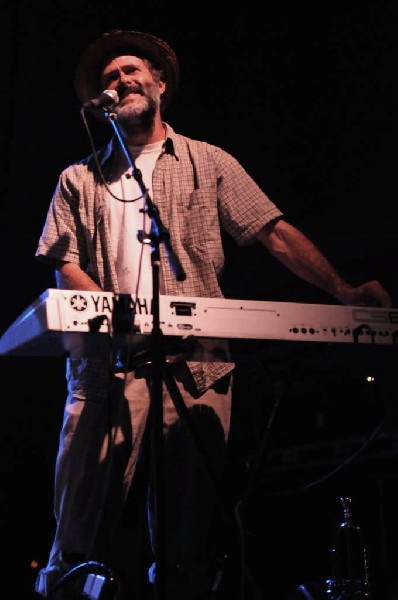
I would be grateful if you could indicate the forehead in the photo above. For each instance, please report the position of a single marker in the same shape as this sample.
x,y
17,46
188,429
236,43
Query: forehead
x,y
118,60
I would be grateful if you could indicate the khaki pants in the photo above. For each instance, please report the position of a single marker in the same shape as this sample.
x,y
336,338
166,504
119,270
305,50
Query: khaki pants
x,y
93,476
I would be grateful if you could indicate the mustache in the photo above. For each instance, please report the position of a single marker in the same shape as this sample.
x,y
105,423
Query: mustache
x,y
132,89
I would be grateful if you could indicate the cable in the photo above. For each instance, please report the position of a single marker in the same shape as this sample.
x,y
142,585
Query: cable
x,y
95,156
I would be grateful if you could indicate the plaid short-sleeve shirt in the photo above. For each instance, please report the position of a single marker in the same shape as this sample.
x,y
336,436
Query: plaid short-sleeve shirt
x,y
199,190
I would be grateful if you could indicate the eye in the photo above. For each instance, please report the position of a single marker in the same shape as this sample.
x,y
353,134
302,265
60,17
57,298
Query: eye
x,y
130,69
107,79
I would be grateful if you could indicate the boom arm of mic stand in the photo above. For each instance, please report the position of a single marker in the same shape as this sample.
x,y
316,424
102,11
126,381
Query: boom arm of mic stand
x,y
158,228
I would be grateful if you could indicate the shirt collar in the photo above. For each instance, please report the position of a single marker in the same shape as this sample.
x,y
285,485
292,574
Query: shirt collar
x,y
111,149
170,142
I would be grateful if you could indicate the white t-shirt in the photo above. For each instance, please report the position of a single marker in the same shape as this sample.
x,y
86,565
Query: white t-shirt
x,y
132,258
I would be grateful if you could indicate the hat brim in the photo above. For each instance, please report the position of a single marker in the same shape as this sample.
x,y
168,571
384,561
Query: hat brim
x,y
144,45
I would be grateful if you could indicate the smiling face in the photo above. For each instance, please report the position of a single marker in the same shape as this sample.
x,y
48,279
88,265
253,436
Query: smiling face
x,y
137,83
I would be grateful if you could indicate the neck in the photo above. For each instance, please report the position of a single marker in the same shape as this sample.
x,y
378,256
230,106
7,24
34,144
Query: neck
x,y
140,134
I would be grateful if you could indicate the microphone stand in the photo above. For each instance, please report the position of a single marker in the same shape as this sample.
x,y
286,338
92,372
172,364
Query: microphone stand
x,y
158,235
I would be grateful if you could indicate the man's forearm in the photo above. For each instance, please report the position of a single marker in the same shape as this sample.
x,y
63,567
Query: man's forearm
x,y
71,277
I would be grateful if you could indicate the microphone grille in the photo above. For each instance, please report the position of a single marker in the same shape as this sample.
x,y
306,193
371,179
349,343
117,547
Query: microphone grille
x,y
112,94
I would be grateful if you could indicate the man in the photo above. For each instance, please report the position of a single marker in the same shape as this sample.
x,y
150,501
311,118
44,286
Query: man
x,y
90,239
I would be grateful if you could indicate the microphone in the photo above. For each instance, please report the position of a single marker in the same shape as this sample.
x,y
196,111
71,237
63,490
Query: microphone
x,y
106,98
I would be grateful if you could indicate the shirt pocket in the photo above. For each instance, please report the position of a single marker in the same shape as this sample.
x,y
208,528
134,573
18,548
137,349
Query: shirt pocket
x,y
200,224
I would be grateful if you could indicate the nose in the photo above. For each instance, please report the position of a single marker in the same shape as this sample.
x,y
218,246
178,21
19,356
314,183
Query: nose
x,y
124,79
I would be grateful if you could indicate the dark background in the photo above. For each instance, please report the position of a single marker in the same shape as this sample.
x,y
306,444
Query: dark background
x,y
305,97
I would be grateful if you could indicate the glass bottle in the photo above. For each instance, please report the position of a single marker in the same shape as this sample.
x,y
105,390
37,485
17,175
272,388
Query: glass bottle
x,y
349,561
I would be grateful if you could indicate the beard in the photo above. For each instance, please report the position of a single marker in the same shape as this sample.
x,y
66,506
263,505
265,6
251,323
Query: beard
x,y
138,113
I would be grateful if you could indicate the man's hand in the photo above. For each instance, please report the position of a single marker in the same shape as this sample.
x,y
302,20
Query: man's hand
x,y
371,293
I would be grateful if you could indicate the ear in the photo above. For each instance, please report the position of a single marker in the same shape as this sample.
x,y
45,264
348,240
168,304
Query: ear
x,y
162,87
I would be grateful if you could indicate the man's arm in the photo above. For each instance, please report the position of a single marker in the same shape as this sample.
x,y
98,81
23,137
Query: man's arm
x,y
71,277
304,259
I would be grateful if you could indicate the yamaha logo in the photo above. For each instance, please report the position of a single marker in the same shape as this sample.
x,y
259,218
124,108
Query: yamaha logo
x,y
78,303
